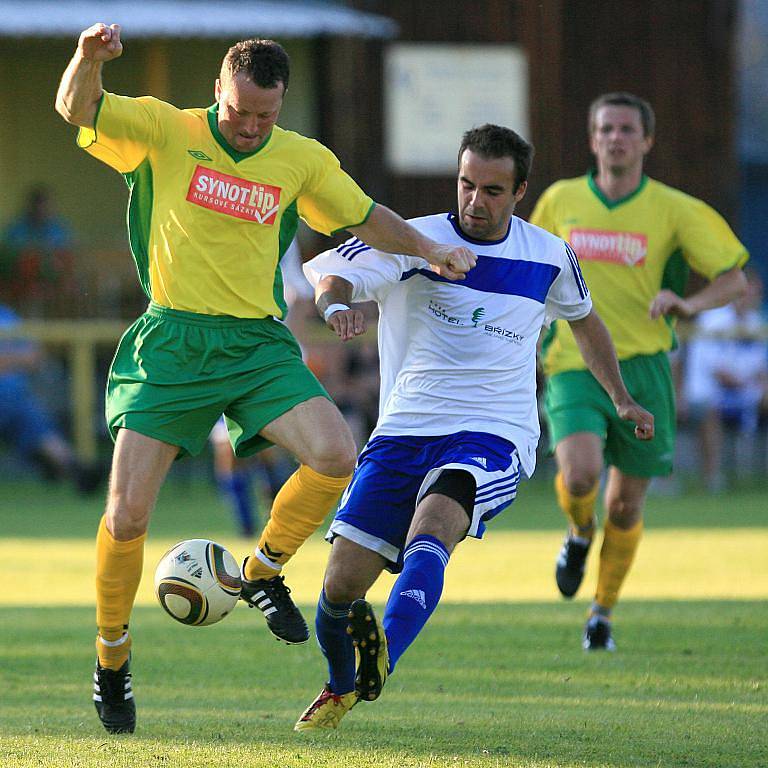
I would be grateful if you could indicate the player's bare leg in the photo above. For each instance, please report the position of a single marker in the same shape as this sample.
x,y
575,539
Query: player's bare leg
x,y
316,434
139,466
580,462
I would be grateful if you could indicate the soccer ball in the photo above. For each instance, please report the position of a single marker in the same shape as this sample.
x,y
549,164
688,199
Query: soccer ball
x,y
197,582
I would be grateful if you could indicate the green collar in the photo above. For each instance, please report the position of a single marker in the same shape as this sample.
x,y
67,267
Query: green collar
x,y
213,124
609,204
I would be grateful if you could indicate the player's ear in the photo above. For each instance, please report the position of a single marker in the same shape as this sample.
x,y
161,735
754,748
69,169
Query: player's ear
x,y
648,144
217,89
521,190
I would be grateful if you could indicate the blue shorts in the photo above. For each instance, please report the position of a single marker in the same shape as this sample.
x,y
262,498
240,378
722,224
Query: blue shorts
x,y
394,473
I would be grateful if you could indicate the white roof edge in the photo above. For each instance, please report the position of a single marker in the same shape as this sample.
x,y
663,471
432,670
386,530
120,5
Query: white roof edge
x,y
191,19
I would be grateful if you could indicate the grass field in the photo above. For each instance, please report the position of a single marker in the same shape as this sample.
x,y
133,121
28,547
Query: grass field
x,y
497,678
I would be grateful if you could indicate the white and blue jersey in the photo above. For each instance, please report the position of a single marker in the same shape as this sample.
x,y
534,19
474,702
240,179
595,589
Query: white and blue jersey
x,y
457,357
462,355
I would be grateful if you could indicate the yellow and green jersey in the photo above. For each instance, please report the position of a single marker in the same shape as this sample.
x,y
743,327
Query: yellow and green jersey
x,y
626,249
208,224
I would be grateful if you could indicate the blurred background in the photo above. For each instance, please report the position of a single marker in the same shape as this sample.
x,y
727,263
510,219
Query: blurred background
x,y
389,86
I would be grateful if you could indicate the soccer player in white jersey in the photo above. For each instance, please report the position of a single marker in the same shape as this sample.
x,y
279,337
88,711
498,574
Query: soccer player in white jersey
x,y
458,423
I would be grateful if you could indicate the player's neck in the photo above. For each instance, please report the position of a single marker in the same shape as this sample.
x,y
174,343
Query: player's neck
x,y
617,185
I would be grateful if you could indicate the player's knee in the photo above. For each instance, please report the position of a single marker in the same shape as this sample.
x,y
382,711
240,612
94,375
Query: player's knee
x,y
624,513
127,514
580,480
334,458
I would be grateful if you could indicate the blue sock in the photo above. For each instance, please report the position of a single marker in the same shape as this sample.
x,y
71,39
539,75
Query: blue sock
x,y
331,629
238,488
415,594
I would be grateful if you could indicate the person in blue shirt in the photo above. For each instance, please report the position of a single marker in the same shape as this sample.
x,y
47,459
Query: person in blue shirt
x,y
25,424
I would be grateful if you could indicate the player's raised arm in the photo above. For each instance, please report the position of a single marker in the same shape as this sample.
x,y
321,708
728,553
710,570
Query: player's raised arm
x,y
388,232
597,349
80,89
333,296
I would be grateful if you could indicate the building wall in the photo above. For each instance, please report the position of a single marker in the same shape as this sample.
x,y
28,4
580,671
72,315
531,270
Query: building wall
x,y
678,55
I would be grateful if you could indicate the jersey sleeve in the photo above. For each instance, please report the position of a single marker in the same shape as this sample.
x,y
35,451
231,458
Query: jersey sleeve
x,y
124,130
332,200
568,297
372,273
708,243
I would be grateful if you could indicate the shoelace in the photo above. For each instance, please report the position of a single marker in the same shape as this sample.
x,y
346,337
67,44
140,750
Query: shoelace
x,y
112,683
322,699
280,593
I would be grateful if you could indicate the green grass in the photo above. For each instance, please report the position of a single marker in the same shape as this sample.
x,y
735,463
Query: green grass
x,y
54,511
484,685
495,684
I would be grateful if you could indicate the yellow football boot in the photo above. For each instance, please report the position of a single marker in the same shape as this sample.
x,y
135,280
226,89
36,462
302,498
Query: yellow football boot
x,y
326,710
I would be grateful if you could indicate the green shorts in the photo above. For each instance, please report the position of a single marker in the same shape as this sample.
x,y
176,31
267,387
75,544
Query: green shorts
x,y
575,402
174,374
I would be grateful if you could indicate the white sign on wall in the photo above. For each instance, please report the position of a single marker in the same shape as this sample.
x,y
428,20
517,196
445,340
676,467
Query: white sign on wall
x,y
436,92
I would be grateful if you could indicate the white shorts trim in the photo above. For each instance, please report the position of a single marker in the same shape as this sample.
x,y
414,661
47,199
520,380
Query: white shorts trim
x,y
374,543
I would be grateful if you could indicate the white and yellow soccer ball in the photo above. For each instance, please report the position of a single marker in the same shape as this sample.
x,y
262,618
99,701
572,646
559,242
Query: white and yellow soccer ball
x,y
197,582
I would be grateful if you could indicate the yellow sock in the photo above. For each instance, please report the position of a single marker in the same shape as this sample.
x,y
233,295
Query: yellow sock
x,y
298,510
580,510
616,556
118,573
113,653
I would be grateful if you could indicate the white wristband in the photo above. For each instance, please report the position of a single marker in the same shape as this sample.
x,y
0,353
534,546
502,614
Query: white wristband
x,y
334,308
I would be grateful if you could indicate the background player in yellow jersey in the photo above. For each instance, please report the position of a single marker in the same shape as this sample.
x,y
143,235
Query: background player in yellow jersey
x,y
625,229
215,199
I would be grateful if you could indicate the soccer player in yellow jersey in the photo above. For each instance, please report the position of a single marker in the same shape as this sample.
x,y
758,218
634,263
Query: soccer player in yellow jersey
x,y
626,230
215,196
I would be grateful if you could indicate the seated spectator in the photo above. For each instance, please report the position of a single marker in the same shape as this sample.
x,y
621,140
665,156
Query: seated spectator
x,y
25,425
37,264
726,378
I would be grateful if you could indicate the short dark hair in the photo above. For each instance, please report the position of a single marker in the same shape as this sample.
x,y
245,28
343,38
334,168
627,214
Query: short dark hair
x,y
264,61
492,141
624,99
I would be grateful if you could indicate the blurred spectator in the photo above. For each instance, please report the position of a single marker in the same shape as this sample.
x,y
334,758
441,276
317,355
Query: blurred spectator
x,y
37,264
25,425
358,396
725,383
350,374
234,479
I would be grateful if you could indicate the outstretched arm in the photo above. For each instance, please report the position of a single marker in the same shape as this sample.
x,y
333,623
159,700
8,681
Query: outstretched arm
x,y
80,89
386,231
599,354
333,295
722,290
